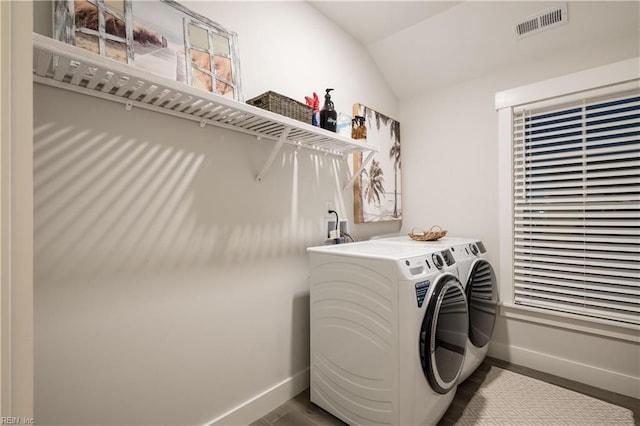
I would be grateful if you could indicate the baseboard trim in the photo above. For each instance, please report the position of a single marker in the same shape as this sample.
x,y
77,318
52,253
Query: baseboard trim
x,y
568,369
261,404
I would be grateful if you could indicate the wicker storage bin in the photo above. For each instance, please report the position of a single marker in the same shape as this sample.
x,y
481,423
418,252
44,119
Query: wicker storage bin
x,y
434,233
275,102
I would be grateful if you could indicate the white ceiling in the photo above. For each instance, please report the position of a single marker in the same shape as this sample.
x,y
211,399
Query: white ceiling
x,y
424,45
373,21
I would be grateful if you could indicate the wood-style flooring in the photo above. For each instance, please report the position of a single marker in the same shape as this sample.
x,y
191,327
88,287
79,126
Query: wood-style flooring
x,y
299,411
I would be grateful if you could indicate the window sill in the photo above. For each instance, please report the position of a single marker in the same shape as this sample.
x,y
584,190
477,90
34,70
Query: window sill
x,y
598,327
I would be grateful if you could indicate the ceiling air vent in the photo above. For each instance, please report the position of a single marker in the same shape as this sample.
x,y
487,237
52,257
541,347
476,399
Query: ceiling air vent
x,y
542,21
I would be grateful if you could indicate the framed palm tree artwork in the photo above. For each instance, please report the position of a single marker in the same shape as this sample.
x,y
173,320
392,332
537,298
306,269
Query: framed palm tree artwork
x,y
377,191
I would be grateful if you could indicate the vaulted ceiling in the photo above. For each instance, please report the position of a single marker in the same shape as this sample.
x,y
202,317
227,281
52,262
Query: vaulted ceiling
x,y
425,45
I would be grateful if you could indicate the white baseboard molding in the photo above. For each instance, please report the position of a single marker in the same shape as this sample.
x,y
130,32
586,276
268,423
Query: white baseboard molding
x,y
588,374
261,404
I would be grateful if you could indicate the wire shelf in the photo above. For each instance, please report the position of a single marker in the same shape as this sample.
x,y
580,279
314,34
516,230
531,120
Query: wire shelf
x,y
68,67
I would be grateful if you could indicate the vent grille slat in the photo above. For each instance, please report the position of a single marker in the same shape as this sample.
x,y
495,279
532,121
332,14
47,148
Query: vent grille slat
x,y
542,21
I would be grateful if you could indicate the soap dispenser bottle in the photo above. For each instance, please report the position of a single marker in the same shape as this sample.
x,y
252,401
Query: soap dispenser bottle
x,y
328,114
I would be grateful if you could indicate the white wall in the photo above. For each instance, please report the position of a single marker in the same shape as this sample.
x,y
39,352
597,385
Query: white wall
x,y
170,287
451,160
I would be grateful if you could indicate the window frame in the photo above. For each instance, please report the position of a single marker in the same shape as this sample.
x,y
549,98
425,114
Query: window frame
x,y
67,32
568,86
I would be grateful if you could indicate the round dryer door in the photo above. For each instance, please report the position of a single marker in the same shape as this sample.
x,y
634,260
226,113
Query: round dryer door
x,y
482,298
443,336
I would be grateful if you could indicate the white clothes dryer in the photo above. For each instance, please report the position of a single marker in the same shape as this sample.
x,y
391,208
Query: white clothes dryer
x,y
480,283
388,333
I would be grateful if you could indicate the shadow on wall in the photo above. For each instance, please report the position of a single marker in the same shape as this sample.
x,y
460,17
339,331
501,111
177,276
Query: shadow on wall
x,y
112,204
300,328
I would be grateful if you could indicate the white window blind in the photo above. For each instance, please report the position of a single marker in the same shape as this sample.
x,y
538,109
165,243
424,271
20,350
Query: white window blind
x,y
576,174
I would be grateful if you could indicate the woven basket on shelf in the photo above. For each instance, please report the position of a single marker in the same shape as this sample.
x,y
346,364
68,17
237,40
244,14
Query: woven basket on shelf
x,y
434,233
275,102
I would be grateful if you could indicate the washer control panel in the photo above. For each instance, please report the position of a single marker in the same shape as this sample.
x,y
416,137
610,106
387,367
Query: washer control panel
x,y
466,250
442,258
413,267
438,261
416,266
448,257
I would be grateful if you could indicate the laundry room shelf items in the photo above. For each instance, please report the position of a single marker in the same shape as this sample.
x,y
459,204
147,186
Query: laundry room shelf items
x,y
67,67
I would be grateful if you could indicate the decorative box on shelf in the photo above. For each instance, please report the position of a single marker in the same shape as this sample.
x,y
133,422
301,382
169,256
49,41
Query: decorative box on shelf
x,y
283,105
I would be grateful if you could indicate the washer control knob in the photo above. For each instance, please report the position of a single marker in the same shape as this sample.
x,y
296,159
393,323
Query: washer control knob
x,y
437,260
474,249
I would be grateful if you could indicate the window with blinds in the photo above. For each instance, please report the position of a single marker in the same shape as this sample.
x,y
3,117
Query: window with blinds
x,y
576,201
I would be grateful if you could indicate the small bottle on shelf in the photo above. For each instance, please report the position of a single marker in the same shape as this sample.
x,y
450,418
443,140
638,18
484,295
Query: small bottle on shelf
x,y
359,129
328,115
344,125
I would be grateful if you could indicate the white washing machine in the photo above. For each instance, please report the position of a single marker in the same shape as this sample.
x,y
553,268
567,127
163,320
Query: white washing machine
x,y
480,284
388,333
